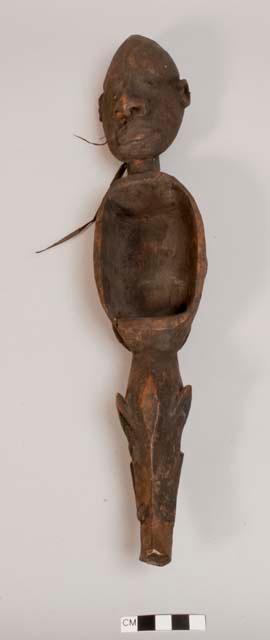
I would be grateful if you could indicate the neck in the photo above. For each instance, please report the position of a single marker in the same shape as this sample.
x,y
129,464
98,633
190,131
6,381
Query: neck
x,y
142,166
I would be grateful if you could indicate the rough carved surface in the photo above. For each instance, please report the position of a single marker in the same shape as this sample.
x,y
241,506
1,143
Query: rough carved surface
x,y
150,265
153,421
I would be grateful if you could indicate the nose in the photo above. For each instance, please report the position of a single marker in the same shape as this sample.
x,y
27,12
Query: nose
x,y
128,106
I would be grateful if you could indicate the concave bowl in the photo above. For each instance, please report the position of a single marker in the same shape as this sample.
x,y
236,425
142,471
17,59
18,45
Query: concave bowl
x,y
150,260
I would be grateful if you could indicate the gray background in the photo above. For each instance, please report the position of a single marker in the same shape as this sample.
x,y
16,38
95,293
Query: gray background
x,y
69,536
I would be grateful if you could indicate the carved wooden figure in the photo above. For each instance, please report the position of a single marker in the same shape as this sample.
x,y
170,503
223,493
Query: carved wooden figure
x,y
150,264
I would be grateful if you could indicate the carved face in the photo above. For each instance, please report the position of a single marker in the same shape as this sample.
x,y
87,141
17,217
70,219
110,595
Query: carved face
x,y
143,101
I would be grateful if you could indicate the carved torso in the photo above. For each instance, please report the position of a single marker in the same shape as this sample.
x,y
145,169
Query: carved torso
x,y
148,247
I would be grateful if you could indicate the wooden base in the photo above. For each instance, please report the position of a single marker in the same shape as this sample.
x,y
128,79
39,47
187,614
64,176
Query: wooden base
x,y
153,415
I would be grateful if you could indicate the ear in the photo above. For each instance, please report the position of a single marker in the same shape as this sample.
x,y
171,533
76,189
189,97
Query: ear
x,y
100,105
184,93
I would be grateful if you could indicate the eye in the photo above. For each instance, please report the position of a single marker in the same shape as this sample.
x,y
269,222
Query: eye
x,y
150,82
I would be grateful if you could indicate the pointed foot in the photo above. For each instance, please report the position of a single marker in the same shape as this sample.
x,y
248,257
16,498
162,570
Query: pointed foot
x,y
156,543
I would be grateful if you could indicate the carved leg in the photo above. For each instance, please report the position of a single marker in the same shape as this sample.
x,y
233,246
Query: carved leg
x,y
153,415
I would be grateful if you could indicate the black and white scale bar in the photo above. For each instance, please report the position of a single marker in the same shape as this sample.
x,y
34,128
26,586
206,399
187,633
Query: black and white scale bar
x,y
164,622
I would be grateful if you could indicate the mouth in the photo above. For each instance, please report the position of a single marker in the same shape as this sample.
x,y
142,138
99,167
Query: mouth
x,y
133,141
127,137
133,138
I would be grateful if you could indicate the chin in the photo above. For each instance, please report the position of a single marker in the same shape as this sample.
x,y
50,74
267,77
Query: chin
x,y
138,154
138,149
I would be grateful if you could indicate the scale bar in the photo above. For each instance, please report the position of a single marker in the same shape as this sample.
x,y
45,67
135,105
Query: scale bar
x,y
164,622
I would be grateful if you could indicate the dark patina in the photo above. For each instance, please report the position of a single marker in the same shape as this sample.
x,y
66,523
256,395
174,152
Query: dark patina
x,y
150,264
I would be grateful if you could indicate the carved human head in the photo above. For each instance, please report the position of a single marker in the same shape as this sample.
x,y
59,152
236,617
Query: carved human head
x,y
143,102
